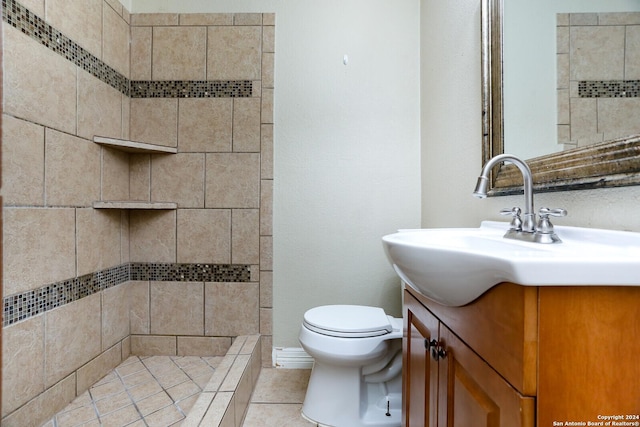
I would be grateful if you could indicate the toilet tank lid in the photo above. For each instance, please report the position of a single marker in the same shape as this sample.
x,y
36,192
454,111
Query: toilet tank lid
x,y
349,319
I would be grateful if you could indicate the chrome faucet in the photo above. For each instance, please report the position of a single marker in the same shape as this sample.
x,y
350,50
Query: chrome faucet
x,y
526,228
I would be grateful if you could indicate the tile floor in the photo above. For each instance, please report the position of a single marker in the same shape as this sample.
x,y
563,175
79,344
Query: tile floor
x,y
159,391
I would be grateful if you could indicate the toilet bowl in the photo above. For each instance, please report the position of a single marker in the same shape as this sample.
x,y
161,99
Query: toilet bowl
x,y
356,378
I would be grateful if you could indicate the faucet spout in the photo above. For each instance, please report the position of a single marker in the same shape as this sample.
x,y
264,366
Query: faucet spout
x,y
529,220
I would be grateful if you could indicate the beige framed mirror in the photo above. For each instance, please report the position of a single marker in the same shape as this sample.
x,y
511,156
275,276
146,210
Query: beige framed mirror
x,y
611,163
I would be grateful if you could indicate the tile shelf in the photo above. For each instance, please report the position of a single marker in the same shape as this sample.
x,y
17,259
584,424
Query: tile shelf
x,y
134,147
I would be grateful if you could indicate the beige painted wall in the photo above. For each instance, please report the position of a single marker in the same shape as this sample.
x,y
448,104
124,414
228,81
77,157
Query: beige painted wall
x,y
451,134
346,147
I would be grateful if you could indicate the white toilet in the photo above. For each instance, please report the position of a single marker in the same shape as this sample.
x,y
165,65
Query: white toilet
x,y
357,373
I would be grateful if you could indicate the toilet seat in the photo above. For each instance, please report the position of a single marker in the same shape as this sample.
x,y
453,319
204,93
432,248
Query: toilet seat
x,y
348,321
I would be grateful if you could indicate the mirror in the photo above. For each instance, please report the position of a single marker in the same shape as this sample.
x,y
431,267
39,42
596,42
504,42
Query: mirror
x,y
614,162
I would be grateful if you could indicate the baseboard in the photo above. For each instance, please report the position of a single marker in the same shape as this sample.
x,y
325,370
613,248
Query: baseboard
x,y
291,358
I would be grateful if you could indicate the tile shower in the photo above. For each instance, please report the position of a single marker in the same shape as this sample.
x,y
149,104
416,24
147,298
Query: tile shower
x,y
85,288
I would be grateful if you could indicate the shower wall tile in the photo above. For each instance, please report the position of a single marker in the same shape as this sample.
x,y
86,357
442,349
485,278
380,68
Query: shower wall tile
x,y
176,308
22,367
269,35
115,175
36,6
266,151
153,345
98,240
267,105
97,368
179,53
39,85
233,180
233,53
206,19
268,69
246,125
22,162
115,5
231,309
99,108
141,53
39,246
205,125
80,21
140,177
153,236
139,307
245,236
266,252
203,346
154,19
155,120
632,53
72,170
115,43
204,236
68,342
115,314
178,178
597,53
247,19
266,289
266,207
618,117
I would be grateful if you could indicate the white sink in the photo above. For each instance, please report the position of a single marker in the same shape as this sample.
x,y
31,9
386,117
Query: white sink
x,y
454,266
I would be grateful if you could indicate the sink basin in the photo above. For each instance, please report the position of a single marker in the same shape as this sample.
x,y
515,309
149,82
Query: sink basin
x,y
454,266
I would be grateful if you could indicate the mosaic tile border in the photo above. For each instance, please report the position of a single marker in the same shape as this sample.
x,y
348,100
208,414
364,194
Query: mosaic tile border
x,y
609,89
31,303
21,18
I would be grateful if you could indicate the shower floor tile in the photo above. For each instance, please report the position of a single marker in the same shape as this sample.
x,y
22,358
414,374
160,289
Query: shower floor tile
x,y
155,391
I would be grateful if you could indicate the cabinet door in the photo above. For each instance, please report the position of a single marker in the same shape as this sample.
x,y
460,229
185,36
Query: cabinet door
x,y
472,394
420,372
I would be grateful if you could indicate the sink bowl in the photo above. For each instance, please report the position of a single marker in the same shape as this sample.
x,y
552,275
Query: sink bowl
x,y
454,266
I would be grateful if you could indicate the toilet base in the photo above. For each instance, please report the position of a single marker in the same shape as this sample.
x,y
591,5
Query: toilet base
x,y
338,397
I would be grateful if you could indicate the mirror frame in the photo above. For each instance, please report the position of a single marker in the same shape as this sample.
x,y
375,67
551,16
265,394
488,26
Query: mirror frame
x,y
613,163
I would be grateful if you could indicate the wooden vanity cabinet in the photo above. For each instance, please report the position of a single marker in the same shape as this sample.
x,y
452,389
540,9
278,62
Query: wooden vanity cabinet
x,y
523,356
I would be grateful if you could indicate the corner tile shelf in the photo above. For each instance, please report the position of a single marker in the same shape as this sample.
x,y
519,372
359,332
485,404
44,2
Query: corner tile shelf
x,y
134,147
125,204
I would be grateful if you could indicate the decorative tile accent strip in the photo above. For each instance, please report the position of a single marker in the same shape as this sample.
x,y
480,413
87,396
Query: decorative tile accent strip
x,y
18,16
609,89
191,89
31,303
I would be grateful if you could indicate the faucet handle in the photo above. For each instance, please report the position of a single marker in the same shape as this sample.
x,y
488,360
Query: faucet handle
x,y
516,221
544,225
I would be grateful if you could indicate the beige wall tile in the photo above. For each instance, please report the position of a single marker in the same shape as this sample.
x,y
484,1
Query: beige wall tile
x,y
245,236
80,21
204,236
597,53
266,289
632,53
268,19
115,175
233,180
115,314
267,106
141,53
98,240
35,6
247,19
39,247
266,207
205,125
97,368
126,116
124,236
618,117
234,53
268,70
266,324
266,253
44,406
153,345
203,346
155,121
178,178
72,337
268,38
35,79
115,46
266,151
99,108
22,162
72,170
179,53
115,5
139,308
584,118
246,125
206,19
148,19
140,177
222,317
22,363
153,236
177,308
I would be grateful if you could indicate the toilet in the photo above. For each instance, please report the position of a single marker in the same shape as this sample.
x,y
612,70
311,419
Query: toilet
x,y
356,378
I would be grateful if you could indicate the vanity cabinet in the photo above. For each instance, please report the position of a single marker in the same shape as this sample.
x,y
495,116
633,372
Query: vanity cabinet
x,y
523,356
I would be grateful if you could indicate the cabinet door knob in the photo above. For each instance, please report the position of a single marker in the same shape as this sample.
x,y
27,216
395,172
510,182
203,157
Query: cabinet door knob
x,y
428,344
438,352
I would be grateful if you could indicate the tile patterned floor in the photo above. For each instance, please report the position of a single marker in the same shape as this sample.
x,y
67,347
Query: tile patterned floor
x,y
155,391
